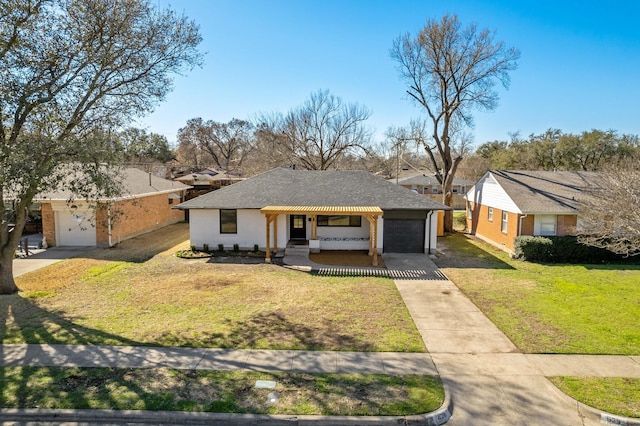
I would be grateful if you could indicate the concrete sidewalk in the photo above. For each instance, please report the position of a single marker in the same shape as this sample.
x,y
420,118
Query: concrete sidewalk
x,y
391,363
490,381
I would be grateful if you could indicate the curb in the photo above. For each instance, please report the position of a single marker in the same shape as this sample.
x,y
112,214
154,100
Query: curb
x,y
606,418
434,418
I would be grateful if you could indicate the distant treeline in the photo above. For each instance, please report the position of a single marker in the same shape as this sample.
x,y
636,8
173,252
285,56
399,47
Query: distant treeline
x,y
555,150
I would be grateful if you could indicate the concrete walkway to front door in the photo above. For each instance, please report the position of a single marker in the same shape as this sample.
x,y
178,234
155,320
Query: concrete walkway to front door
x,y
490,381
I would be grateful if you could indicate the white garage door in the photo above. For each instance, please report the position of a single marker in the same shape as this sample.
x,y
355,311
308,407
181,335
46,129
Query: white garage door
x,y
74,230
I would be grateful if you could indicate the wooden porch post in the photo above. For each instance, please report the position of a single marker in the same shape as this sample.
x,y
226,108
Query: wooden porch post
x,y
373,231
275,233
268,241
314,227
374,241
370,236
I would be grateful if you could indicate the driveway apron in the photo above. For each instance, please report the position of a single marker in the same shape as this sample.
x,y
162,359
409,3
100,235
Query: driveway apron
x,y
490,381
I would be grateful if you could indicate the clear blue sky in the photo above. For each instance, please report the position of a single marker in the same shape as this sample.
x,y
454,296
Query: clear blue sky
x,y
579,66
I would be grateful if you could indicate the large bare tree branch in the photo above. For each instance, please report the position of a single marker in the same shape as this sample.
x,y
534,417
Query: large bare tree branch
x,y
450,71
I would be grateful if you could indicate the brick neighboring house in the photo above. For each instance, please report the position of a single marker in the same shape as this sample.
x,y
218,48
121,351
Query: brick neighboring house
x,y
429,186
147,204
505,204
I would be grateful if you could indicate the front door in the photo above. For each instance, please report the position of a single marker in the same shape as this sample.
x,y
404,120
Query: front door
x,y
298,225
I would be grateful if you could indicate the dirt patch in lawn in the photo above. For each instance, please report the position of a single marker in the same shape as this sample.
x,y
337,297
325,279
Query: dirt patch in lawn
x,y
345,258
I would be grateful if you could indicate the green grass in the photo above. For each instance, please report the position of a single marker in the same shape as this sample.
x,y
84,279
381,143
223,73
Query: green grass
x,y
613,395
586,309
217,391
141,294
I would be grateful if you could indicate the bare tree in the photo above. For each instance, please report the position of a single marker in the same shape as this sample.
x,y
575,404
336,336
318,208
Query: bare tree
x,y
227,144
70,69
320,132
450,71
610,216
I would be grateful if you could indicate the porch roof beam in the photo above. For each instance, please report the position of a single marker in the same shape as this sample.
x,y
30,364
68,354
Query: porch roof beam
x,y
323,210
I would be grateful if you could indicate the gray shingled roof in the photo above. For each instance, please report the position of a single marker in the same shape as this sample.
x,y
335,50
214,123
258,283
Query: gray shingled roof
x,y
430,180
286,187
546,191
136,183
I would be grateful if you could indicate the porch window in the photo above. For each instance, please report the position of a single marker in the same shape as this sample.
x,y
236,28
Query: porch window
x,y
505,220
490,214
228,221
336,220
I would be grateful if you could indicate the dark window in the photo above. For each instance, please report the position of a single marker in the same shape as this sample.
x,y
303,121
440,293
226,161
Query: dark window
x,y
228,221
337,220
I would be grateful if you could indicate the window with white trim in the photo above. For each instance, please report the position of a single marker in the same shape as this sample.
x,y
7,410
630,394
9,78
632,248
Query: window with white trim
x,y
505,220
490,214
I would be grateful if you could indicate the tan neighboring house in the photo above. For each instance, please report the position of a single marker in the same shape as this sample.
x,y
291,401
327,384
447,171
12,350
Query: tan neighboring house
x,y
505,204
147,204
429,186
207,180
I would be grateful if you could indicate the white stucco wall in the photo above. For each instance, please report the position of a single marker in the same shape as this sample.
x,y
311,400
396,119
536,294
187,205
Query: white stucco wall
x,y
204,228
431,231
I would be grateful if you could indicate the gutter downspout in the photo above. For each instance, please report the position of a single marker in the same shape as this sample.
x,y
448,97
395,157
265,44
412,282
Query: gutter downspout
x,y
520,224
109,223
430,226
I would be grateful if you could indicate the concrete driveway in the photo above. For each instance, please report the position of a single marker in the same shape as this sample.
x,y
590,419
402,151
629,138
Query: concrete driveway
x,y
490,381
45,258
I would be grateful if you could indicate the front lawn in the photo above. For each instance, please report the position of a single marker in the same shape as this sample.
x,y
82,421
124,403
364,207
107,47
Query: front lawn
x,y
616,395
218,391
140,293
585,309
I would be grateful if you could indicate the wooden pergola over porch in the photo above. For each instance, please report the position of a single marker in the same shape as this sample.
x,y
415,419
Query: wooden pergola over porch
x,y
371,213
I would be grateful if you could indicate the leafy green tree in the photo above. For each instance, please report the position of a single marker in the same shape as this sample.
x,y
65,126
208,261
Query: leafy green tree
x,y
72,71
227,144
141,147
592,150
451,71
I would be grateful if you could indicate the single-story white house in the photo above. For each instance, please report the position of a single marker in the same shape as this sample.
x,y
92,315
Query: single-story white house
x,y
333,210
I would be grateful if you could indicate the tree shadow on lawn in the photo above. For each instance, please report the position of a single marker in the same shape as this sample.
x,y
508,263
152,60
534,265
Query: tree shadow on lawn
x,y
272,330
631,266
457,251
279,331
21,319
